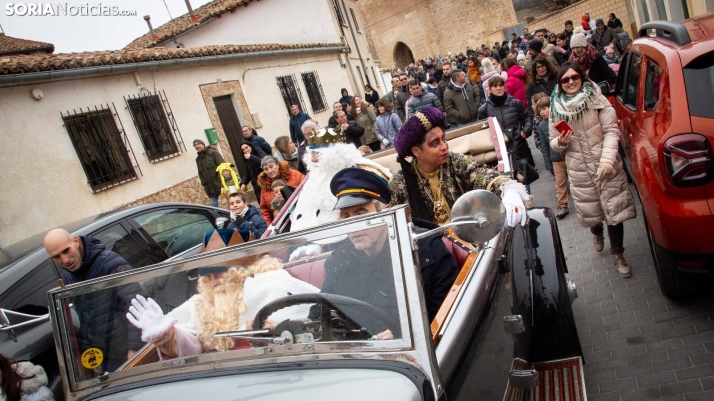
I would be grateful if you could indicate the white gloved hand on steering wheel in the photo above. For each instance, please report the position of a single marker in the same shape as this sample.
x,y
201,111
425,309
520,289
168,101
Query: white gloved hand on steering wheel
x,y
147,315
305,251
513,194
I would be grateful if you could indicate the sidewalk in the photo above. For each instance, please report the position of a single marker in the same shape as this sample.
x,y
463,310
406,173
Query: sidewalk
x,y
637,343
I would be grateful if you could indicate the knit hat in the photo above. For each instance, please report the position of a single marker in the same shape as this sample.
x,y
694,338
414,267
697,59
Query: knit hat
x,y
599,21
416,127
487,65
536,45
195,141
520,56
578,38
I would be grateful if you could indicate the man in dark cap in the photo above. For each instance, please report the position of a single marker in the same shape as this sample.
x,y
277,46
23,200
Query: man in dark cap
x,y
207,160
603,36
433,178
535,49
361,267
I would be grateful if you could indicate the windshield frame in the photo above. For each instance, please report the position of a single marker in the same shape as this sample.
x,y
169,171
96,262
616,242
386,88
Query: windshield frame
x,y
414,346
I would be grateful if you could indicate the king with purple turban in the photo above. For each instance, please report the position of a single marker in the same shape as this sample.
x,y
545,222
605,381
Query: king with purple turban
x,y
432,177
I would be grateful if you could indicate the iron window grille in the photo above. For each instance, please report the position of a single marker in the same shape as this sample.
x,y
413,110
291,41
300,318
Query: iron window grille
x,y
101,144
354,17
314,91
290,91
338,12
156,125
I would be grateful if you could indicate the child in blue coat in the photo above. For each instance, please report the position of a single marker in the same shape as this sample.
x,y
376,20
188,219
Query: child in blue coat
x,y
555,159
245,217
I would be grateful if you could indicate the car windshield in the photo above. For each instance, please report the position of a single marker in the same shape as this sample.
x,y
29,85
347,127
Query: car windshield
x,y
699,80
341,283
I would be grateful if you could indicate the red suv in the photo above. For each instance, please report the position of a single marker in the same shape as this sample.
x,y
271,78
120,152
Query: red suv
x,y
664,99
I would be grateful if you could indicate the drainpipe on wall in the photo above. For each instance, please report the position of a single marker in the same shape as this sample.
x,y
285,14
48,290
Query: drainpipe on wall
x,y
349,63
354,38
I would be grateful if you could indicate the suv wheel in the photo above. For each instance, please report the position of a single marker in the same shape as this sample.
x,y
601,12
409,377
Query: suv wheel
x,y
672,282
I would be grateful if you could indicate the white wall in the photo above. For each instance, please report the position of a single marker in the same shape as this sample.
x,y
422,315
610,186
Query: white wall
x,y
42,184
268,21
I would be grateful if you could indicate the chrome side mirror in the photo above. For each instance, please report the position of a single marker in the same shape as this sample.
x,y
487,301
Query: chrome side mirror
x,y
476,217
221,222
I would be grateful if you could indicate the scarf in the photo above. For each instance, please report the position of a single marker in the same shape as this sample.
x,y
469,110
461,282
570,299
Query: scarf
x,y
498,100
563,107
586,60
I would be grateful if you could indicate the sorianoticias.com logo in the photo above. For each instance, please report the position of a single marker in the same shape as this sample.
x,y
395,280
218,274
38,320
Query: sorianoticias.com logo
x,y
65,9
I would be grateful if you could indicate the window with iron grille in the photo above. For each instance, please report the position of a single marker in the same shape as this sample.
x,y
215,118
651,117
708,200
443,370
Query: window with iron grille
x,y
314,91
102,146
338,12
156,125
290,91
354,18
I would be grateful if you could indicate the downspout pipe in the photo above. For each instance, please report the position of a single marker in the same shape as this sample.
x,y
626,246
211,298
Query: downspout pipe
x,y
354,38
34,77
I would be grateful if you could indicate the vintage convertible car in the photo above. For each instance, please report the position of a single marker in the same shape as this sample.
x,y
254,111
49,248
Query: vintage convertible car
x,y
505,331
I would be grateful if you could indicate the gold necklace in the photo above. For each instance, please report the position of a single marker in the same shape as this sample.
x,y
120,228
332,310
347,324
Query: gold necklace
x,y
440,208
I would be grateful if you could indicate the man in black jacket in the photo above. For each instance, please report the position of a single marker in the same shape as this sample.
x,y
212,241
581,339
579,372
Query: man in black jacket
x,y
207,160
351,129
250,135
332,121
400,103
103,328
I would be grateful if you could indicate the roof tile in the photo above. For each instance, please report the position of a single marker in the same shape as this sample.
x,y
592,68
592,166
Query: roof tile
x,y
183,23
10,45
20,64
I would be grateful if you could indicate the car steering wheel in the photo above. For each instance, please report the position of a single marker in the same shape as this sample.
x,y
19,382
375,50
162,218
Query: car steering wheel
x,y
337,302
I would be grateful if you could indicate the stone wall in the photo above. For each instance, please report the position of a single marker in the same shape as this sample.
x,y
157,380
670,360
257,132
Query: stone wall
x,y
555,22
189,191
433,27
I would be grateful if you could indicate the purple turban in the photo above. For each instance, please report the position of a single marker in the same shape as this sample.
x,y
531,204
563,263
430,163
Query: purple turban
x,y
416,127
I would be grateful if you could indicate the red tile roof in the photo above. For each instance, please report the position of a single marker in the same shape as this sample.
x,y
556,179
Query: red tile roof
x,y
10,45
183,23
20,64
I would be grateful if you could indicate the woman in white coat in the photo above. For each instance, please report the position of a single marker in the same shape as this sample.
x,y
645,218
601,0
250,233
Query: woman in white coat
x,y
598,182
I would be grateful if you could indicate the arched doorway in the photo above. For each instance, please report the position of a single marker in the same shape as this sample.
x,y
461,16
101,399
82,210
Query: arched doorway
x,y
402,55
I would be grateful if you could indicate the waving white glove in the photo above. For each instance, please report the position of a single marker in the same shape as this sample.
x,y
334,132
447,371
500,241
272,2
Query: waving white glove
x,y
512,195
305,251
385,141
147,315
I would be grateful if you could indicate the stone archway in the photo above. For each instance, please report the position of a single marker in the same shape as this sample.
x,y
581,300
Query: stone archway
x,y
402,55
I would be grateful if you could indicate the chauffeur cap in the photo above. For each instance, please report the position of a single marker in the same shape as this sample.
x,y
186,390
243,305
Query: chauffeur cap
x,y
354,186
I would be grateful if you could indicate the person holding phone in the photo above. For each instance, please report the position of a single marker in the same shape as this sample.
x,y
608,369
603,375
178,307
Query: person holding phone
x,y
583,123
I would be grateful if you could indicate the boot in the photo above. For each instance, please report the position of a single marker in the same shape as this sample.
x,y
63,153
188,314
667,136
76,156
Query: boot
x,y
622,266
599,242
562,212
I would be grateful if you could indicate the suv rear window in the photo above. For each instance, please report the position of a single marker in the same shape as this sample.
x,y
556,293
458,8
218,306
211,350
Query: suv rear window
x,y
699,81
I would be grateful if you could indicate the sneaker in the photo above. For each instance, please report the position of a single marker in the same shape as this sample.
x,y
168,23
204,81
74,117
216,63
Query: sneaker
x,y
622,266
599,242
562,212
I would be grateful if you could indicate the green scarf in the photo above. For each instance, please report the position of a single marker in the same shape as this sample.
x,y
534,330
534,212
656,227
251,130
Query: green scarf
x,y
563,107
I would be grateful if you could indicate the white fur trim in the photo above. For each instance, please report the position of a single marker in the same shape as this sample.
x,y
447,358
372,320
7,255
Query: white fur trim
x,y
28,369
186,315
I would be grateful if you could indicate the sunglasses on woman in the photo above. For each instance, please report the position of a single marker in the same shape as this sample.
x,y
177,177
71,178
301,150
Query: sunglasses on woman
x,y
574,78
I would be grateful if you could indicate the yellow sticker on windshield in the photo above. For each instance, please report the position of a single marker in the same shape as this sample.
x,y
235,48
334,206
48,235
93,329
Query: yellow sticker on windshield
x,y
92,358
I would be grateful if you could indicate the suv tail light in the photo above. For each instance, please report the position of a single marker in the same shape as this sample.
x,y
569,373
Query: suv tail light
x,y
688,158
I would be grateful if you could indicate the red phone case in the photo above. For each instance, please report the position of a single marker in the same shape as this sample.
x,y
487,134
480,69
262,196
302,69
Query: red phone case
x,y
562,126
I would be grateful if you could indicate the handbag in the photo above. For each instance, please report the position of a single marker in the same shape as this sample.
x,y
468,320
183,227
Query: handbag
x,y
523,172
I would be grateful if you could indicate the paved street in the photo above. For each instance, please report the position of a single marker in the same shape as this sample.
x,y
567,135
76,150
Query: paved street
x,y
637,343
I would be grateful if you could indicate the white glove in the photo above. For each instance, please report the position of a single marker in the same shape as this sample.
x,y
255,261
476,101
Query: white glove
x,y
604,174
305,251
512,195
147,315
385,141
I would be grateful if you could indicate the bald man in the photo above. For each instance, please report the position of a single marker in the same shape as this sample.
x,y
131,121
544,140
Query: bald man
x,y
102,313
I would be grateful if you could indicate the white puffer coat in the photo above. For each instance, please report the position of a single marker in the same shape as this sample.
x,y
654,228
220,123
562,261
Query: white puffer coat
x,y
34,388
595,139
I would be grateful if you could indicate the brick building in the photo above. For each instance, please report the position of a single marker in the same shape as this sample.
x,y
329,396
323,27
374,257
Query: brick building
x,y
399,31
